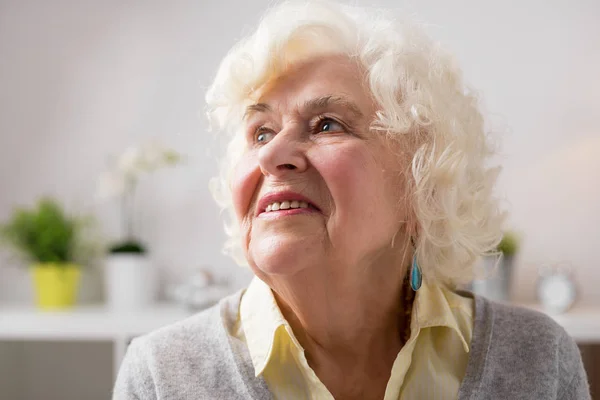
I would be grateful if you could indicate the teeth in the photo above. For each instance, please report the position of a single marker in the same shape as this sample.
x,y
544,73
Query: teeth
x,y
286,205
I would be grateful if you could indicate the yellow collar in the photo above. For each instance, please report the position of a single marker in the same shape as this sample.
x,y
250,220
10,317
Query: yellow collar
x,y
261,318
437,306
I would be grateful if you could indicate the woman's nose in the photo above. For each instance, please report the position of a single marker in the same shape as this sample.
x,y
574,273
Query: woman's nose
x,y
284,153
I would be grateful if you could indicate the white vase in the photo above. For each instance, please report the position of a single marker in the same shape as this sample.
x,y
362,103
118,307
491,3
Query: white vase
x,y
496,285
130,281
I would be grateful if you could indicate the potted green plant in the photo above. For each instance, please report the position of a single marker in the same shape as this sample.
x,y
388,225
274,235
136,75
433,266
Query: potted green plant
x,y
54,245
509,245
129,273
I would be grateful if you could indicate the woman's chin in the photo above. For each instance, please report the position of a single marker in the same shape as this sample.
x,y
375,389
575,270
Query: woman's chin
x,y
281,258
279,264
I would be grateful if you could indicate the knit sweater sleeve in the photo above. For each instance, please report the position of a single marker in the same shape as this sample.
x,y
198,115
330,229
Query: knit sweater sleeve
x,y
573,383
134,380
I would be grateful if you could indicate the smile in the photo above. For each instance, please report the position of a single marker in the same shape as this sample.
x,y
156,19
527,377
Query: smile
x,y
286,205
285,202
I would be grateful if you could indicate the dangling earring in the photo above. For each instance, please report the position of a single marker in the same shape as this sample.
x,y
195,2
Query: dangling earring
x,y
415,274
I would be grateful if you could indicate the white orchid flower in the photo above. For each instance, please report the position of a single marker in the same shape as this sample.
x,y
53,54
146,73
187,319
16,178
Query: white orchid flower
x,y
131,162
122,179
111,185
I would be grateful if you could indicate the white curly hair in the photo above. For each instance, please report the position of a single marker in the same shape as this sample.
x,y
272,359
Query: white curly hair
x,y
421,95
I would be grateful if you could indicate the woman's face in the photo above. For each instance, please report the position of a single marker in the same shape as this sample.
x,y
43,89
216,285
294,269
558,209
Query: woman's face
x,y
315,186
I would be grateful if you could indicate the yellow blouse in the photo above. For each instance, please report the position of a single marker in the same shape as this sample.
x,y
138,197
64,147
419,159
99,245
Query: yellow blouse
x,y
431,365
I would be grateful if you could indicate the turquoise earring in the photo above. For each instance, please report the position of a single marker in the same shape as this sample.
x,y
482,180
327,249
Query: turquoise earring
x,y
415,275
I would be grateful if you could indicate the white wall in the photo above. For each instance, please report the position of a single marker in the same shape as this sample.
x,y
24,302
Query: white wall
x,y
80,80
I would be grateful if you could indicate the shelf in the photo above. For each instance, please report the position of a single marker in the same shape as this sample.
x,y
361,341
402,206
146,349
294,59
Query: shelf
x,y
581,322
100,323
84,322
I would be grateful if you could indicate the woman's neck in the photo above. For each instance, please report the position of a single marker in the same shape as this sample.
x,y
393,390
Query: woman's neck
x,y
334,317
350,325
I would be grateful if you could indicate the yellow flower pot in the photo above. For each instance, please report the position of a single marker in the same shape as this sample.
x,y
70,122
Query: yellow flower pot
x,y
56,285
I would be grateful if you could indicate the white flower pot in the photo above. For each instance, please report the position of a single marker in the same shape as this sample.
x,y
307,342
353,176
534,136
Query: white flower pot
x,y
130,281
497,284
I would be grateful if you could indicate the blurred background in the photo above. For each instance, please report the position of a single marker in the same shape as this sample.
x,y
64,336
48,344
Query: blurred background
x,y
102,133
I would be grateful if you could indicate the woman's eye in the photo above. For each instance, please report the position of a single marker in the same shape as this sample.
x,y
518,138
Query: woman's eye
x,y
263,136
329,125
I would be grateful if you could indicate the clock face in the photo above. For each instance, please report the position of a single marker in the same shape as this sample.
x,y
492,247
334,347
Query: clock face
x,y
556,293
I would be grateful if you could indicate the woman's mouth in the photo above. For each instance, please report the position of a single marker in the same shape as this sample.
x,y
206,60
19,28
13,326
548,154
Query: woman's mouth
x,y
286,205
287,208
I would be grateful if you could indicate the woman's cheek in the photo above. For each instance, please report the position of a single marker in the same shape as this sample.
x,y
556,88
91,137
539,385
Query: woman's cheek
x,y
244,185
345,170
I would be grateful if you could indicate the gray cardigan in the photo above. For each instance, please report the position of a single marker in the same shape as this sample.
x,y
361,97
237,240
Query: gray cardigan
x,y
515,354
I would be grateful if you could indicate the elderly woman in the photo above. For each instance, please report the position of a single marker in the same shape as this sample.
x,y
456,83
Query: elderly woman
x,y
355,175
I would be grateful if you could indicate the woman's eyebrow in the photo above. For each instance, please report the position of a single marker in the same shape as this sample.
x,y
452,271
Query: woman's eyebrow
x,y
324,102
256,108
312,105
